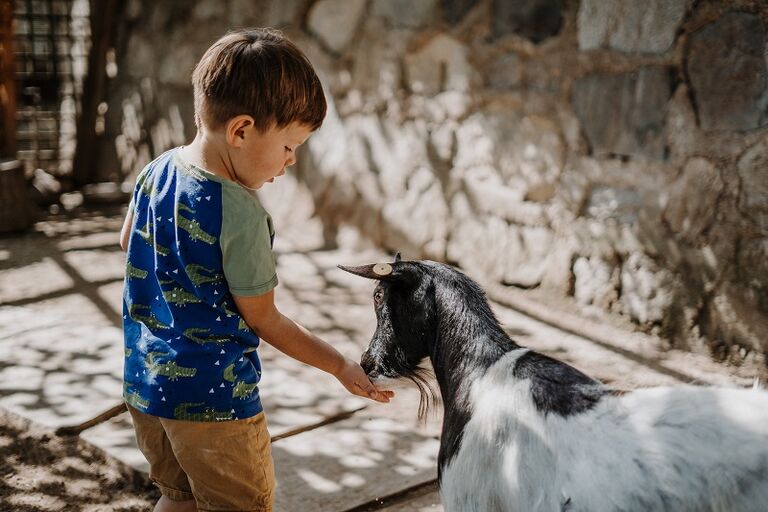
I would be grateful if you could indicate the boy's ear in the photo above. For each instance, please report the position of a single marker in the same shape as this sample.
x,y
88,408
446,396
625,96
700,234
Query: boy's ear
x,y
236,129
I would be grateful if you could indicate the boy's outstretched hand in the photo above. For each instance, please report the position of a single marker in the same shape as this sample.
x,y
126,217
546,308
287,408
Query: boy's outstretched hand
x,y
352,377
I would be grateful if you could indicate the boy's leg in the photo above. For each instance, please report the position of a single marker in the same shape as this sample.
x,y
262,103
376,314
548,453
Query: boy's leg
x,y
164,469
228,463
168,505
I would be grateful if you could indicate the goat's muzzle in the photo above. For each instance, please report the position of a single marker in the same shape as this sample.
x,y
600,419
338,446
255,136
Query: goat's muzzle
x,y
369,365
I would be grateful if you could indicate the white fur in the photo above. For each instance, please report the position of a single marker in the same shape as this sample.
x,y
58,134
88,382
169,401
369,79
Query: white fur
x,y
670,448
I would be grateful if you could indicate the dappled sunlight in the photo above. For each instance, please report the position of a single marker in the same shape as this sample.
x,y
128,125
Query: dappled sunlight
x,y
367,456
62,357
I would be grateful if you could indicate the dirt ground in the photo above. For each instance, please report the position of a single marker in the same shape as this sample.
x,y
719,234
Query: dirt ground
x,y
40,471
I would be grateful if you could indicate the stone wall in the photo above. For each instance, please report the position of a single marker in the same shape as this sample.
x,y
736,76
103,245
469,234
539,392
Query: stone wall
x,y
612,151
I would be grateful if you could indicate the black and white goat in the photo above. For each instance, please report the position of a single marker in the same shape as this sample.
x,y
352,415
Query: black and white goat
x,y
525,432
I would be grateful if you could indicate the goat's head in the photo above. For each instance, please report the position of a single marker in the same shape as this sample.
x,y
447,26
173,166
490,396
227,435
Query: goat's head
x,y
406,329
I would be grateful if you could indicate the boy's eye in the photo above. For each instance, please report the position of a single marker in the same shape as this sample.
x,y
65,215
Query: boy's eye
x,y
288,149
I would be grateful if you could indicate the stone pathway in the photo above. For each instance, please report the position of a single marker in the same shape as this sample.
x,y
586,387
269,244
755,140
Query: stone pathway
x,y
61,363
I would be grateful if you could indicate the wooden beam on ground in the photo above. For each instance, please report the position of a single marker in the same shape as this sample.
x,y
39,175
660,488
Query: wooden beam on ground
x,y
422,497
110,413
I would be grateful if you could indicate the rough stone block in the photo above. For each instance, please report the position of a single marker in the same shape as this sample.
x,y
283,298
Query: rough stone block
x,y
646,289
614,204
475,145
753,171
404,13
692,199
535,20
442,64
726,65
530,155
454,10
505,72
510,254
377,71
335,21
421,213
595,282
734,320
630,26
489,196
623,114
284,12
528,151
752,269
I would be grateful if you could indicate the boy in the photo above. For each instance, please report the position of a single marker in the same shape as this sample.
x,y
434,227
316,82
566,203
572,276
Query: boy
x,y
200,278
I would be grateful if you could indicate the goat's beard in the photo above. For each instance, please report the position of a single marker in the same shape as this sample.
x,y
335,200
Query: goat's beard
x,y
428,397
423,379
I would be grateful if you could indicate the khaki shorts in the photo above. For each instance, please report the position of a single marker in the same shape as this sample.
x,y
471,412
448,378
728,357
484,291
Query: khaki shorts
x,y
221,465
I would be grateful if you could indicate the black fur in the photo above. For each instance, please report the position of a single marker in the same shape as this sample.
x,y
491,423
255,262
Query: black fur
x,y
557,387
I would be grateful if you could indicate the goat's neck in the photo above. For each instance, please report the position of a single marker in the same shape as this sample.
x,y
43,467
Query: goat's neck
x,y
467,343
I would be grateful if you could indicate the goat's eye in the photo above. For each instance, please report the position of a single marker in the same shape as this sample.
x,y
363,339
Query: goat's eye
x,y
378,296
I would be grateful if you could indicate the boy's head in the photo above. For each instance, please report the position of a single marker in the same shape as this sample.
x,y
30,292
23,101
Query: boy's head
x,y
261,93
260,73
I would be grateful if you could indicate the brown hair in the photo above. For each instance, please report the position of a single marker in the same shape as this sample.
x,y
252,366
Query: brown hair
x,y
260,73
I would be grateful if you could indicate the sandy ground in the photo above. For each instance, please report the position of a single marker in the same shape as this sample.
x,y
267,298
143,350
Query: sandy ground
x,y
40,471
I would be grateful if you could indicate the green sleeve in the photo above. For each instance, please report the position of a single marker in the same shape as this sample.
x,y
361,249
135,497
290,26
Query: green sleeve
x,y
246,244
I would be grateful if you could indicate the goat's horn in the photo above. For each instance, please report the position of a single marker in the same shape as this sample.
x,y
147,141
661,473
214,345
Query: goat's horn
x,y
374,271
397,257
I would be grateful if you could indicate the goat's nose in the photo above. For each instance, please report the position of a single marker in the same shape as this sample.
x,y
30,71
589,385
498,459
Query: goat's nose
x,y
368,364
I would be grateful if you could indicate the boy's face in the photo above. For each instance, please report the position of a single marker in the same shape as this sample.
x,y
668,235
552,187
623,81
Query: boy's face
x,y
261,157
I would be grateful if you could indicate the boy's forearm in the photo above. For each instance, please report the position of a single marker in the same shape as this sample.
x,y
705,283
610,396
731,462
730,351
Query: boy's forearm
x,y
297,342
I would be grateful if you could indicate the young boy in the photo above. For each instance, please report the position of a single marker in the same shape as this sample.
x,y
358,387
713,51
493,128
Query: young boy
x,y
200,279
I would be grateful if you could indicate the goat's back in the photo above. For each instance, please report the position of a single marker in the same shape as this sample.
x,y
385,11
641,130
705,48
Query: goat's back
x,y
671,448
668,448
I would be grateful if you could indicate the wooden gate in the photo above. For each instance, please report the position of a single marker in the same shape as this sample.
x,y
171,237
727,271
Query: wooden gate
x,y
51,46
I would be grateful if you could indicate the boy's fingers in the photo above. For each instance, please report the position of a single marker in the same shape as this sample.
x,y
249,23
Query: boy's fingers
x,y
371,392
378,397
382,395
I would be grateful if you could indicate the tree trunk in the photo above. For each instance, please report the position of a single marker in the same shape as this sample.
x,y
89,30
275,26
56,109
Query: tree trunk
x,y
105,16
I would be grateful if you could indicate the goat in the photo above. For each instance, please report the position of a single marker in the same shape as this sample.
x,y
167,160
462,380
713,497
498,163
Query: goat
x,y
522,431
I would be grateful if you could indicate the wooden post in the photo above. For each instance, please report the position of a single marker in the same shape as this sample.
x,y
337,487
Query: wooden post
x,y
105,15
7,83
15,206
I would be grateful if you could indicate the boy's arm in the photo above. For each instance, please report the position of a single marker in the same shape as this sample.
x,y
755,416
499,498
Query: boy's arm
x,y
284,334
125,231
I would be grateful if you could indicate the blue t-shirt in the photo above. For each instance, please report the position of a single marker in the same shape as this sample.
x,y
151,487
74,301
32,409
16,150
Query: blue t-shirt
x,y
195,239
